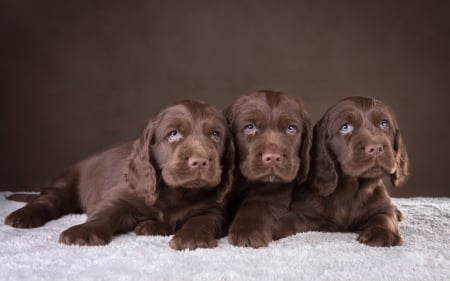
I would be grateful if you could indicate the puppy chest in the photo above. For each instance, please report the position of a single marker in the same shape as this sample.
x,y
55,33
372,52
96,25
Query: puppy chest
x,y
177,206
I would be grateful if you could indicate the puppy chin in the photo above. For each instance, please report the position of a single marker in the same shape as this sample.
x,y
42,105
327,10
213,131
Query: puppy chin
x,y
193,183
271,177
255,171
374,172
198,183
366,171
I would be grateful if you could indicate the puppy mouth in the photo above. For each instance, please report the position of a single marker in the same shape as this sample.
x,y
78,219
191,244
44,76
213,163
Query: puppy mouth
x,y
260,172
272,176
369,168
271,179
375,170
204,179
197,183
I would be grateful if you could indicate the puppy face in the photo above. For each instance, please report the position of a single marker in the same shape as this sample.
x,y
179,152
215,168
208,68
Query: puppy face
x,y
357,137
188,145
362,138
272,135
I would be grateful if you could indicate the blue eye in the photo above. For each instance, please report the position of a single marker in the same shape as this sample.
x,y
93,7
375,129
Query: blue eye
x,y
215,136
250,129
173,136
346,128
384,124
291,129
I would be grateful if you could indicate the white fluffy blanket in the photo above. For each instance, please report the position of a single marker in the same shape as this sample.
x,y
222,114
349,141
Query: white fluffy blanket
x,y
35,254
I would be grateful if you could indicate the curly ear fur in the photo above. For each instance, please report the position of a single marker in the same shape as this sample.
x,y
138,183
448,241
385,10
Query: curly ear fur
x,y
141,174
228,113
401,158
305,148
227,171
324,176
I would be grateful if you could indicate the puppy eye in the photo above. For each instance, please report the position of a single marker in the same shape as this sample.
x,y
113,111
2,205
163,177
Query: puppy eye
x,y
250,129
215,136
346,128
384,124
173,136
291,129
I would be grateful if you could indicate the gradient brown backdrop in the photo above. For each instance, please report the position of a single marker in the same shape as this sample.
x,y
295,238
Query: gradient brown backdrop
x,y
79,76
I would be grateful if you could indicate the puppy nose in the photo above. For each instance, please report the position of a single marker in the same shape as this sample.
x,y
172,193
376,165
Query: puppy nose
x,y
374,149
197,162
269,157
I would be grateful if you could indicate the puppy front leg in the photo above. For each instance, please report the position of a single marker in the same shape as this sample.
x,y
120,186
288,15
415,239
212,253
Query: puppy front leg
x,y
290,224
153,227
100,227
252,225
381,230
200,231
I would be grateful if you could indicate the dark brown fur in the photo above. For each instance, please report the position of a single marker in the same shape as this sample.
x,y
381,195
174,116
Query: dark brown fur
x,y
272,134
345,190
159,184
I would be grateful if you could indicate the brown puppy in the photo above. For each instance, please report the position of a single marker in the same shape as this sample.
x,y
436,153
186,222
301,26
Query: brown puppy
x,y
171,179
356,144
272,134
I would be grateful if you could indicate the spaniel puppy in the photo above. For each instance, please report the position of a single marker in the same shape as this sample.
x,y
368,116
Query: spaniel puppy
x,y
356,144
272,133
173,179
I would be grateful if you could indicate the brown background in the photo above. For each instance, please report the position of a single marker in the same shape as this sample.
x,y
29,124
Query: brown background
x,y
79,76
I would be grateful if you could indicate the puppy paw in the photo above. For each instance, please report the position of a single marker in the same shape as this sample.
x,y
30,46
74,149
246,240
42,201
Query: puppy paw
x,y
27,217
379,237
85,235
400,215
250,238
191,240
152,227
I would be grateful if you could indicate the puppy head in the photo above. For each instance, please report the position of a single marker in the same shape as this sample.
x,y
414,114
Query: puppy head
x,y
272,132
357,137
190,146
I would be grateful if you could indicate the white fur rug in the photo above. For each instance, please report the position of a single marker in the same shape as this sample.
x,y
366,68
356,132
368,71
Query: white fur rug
x,y
35,254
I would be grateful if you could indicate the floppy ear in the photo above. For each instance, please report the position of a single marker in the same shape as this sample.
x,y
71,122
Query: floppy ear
x,y
227,170
324,176
228,113
401,159
141,174
305,148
